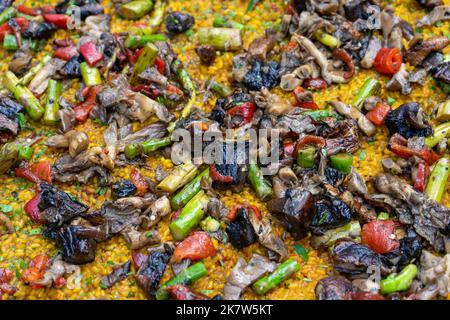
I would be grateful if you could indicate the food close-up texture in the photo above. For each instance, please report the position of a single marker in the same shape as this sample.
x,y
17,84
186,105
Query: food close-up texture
x,y
94,205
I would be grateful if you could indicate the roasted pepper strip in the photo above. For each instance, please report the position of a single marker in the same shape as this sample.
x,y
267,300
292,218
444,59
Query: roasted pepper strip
x,y
399,282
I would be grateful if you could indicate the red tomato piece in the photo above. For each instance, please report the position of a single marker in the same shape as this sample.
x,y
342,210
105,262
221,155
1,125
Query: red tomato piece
x,y
160,65
138,181
65,53
379,113
288,149
379,235
197,246
366,296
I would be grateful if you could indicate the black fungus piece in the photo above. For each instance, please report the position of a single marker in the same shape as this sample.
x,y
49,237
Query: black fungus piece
x,y
409,250
43,30
217,114
353,259
262,75
10,108
87,7
333,288
118,274
72,68
294,211
58,207
333,176
432,61
442,72
206,53
123,188
233,164
151,271
178,22
329,213
408,120
240,231
354,10
109,43
78,243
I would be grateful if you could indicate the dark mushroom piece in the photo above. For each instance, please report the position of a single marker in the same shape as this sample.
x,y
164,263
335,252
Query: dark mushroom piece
x,y
206,53
178,22
419,48
408,120
333,288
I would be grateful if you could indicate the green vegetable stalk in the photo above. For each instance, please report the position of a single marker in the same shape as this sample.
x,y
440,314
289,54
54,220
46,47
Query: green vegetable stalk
x,y
186,277
7,14
284,270
26,79
226,39
342,162
133,41
258,183
134,150
440,132
399,282
23,95
251,5
222,22
306,157
54,92
181,175
10,42
220,89
189,217
135,9
189,191
157,16
319,114
438,179
146,58
371,87
91,76
443,111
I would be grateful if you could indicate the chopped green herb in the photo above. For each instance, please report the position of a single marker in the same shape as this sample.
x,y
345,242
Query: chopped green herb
x,y
101,191
103,286
439,24
5,208
307,279
34,232
111,263
301,251
189,33
149,234
362,155
390,101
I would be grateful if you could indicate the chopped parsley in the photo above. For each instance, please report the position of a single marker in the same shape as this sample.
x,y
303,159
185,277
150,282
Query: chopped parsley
x,y
301,251
362,155
101,191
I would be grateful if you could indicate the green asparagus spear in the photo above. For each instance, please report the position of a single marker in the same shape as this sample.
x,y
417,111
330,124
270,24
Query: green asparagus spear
x,y
32,72
218,88
443,111
186,277
133,150
133,41
440,132
284,270
135,9
226,39
24,96
438,179
189,191
319,114
222,22
7,14
306,157
157,16
146,58
181,175
189,217
258,182
10,42
54,91
188,85
399,282
91,76
370,88
251,5
25,153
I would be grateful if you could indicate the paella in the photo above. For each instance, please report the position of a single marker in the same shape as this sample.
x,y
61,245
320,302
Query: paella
x,y
235,149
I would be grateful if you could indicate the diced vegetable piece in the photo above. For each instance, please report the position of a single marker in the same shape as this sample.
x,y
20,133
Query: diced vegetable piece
x,y
90,53
7,14
10,42
54,91
306,157
327,39
222,22
91,76
421,177
388,61
379,235
146,58
443,111
189,191
186,277
25,153
181,175
226,39
220,89
438,179
378,114
135,9
399,282
133,42
197,246
383,216
59,20
284,271
350,230
258,182
342,162
440,132
189,217
24,96
210,224
34,70
371,87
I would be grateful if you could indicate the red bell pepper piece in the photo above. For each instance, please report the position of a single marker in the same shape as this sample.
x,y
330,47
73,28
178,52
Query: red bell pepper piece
x,y
90,53
65,53
379,235
59,20
245,110
24,171
28,11
181,292
35,270
388,61
288,149
233,211
195,247
429,156
421,176
379,113
6,28
43,170
315,83
217,176
307,105
138,181
160,65
310,139
32,209
47,8
82,110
